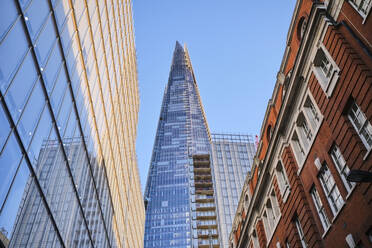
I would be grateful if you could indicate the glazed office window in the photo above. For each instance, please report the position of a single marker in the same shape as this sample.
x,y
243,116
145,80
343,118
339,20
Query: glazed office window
x,y
341,166
281,178
361,125
300,232
330,189
320,209
325,70
362,6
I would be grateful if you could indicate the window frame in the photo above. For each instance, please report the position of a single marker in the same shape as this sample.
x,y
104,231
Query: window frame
x,y
327,79
359,8
359,113
339,161
320,209
329,189
300,232
282,179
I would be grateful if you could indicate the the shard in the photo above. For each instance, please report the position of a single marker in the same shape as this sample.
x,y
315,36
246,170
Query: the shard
x,y
179,196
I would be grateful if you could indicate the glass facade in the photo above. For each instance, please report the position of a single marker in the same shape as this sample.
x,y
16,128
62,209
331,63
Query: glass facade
x,y
171,216
232,160
68,116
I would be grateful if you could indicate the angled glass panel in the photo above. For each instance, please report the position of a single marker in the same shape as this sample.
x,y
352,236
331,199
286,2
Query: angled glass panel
x,y
12,51
21,87
9,161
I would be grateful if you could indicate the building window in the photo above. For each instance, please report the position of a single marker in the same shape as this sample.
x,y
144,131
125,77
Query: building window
x,y
255,240
320,209
275,206
282,178
311,113
361,125
330,189
341,166
305,130
271,214
298,148
362,6
300,232
325,70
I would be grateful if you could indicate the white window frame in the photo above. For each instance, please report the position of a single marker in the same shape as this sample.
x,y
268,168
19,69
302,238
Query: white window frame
x,y
307,125
331,190
361,124
341,167
270,215
312,113
320,208
298,148
282,180
255,241
363,7
327,74
300,232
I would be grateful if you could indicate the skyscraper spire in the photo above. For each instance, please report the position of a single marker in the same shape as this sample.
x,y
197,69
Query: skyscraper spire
x,y
181,152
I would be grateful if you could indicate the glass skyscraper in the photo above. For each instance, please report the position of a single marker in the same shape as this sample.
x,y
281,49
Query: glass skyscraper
x,y
232,159
68,116
179,196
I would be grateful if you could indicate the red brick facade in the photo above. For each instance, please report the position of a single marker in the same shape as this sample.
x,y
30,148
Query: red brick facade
x,y
338,32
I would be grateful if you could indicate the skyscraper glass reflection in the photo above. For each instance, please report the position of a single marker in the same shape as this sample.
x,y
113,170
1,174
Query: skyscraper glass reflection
x,y
68,116
232,159
180,160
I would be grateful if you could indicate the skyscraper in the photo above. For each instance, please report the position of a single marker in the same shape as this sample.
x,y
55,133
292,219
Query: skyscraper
x,y
68,116
232,160
179,196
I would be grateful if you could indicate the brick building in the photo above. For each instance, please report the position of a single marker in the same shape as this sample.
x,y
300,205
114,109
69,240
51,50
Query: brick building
x,y
317,127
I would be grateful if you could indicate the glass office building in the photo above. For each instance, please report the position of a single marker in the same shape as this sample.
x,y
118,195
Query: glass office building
x,y
232,160
182,141
68,116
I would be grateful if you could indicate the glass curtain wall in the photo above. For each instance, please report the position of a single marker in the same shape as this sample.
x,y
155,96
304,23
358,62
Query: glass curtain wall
x,y
182,132
68,116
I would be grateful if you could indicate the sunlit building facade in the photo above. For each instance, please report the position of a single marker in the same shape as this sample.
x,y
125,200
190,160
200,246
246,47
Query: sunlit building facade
x,y
68,117
179,196
232,161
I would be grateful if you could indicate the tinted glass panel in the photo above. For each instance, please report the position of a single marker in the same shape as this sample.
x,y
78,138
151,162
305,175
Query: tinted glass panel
x,y
8,14
21,87
12,51
9,160
36,16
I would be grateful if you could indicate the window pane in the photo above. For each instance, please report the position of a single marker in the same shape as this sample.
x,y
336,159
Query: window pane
x,y
8,14
9,212
31,114
36,15
4,127
45,42
12,50
21,87
9,160
52,68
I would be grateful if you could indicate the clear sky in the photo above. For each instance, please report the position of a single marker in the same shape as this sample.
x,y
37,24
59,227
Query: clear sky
x,y
235,47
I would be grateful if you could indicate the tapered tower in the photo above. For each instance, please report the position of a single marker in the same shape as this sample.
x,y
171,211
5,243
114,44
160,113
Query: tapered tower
x,y
179,196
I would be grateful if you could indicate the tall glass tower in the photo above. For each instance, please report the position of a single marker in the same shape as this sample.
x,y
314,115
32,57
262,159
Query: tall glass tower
x,y
232,161
179,197
68,115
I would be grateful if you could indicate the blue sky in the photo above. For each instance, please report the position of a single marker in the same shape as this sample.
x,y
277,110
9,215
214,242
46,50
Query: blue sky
x,y
235,47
